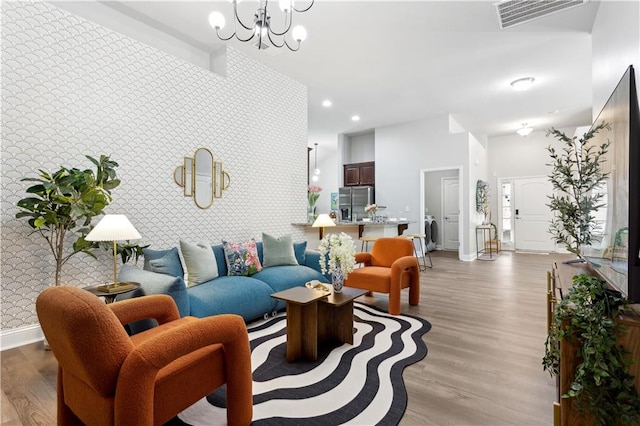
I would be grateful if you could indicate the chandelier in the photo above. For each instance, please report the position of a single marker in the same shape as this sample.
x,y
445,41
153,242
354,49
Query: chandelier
x,y
261,27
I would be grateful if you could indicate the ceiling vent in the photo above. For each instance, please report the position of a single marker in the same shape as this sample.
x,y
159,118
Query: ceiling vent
x,y
267,47
514,12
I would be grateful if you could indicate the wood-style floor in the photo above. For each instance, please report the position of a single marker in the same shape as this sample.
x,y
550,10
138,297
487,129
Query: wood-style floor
x,y
483,366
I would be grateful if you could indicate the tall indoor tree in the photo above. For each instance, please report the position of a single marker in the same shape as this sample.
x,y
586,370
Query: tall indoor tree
x,y
61,205
576,174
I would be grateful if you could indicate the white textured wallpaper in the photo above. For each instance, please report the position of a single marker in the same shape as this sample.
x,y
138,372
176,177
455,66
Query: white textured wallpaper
x,y
71,88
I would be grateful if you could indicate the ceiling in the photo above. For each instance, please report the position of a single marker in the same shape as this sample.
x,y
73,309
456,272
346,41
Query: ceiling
x,y
397,61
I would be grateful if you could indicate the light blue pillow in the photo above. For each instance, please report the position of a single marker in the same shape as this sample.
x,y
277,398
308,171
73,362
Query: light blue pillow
x,y
200,261
278,251
300,250
163,262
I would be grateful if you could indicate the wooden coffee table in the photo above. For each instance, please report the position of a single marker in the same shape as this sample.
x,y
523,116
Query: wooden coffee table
x,y
314,316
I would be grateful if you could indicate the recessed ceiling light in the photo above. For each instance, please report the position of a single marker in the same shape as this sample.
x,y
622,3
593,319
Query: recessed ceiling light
x,y
523,83
355,118
326,103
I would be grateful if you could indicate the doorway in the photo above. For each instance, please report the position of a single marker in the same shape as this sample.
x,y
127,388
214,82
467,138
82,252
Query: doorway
x,y
525,216
432,205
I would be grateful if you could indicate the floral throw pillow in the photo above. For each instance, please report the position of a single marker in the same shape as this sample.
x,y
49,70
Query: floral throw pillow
x,y
242,258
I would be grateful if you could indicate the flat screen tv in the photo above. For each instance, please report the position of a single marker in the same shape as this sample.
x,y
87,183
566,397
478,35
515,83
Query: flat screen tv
x,y
615,253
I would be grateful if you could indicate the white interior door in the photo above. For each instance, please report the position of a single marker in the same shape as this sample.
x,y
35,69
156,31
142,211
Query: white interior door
x,y
450,213
532,216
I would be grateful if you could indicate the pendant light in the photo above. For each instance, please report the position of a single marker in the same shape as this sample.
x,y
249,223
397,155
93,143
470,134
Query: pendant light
x,y
316,170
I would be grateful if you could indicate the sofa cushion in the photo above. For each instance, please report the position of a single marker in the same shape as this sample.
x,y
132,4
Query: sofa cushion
x,y
286,276
200,261
242,258
278,251
163,261
153,283
244,296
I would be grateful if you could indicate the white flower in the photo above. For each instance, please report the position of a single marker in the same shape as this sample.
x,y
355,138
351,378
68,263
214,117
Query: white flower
x,y
371,208
341,250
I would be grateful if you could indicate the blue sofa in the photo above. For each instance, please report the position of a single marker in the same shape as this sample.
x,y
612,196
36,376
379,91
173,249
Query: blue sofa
x,y
249,297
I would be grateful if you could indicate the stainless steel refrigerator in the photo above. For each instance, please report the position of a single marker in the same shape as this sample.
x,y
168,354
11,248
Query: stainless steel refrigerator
x,y
353,199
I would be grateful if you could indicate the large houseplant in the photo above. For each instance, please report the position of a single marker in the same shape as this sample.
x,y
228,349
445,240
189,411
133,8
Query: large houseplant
x,y
576,173
61,205
602,384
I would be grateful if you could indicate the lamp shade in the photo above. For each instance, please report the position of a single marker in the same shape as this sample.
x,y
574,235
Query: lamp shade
x,y
322,221
113,227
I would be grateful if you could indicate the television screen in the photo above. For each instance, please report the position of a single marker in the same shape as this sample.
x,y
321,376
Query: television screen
x,y
615,250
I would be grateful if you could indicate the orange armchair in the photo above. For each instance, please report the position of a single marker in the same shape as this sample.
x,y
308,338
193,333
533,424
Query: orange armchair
x,y
390,267
106,377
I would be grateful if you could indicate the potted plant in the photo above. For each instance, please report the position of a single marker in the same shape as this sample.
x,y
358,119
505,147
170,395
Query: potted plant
x,y
61,205
342,258
313,193
576,173
602,385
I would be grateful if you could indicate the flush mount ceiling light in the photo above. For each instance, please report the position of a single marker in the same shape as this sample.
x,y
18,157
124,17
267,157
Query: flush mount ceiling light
x,y
523,83
262,28
355,118
326,103
524,130
316,170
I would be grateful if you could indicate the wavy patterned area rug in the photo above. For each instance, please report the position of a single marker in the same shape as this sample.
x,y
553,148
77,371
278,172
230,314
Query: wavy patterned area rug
x,y
360,384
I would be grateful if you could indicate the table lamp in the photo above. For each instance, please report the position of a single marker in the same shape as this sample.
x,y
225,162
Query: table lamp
x,y
114,227
323,220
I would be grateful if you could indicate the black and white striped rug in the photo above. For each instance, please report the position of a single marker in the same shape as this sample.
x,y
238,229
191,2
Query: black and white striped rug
x,y
359,384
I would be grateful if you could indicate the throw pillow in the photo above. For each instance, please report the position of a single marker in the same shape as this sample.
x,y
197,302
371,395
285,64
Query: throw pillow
x,y
278,251
200,261
300,250
242,258
163,262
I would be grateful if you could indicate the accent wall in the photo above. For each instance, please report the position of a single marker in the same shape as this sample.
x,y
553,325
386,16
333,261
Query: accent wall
x,y
72,88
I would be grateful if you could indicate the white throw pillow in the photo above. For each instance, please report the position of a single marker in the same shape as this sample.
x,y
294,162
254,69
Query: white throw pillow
x,y
200,261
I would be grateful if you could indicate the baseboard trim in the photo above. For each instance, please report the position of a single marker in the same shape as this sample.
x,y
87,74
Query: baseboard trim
x,y
13,338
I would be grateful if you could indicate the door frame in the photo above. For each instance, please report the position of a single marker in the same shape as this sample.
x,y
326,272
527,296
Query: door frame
x,y
513,204
423,172
510,245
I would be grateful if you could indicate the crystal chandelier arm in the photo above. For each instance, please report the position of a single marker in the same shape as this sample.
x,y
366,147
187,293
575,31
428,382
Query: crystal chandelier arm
x,y
304,10
226,38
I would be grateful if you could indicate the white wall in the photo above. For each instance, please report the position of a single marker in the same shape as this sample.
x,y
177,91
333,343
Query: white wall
x,y
615,46
402,151
362,147
73,88
513,156
330,177
477,170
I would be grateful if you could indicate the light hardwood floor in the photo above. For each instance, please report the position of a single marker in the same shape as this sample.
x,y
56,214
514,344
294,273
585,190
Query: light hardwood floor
x,y
483,366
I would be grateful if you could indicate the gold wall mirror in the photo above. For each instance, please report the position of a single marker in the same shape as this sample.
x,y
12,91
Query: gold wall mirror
x,y
202,178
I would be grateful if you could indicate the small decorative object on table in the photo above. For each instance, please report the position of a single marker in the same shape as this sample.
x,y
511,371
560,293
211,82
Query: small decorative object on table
x,y
342,258
313,192
371,209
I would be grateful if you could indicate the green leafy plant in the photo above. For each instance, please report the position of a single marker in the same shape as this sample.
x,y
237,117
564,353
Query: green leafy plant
x,y
576,173
62,204
482,199
127,251
602,384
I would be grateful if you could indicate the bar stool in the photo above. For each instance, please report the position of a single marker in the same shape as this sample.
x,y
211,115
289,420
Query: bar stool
x,y
365,242
423,265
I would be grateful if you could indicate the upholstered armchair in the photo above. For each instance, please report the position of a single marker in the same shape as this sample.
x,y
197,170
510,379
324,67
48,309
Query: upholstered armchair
x,y
106,377
390,267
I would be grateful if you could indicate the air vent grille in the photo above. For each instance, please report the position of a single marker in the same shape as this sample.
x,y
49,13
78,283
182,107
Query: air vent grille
x,y
514,12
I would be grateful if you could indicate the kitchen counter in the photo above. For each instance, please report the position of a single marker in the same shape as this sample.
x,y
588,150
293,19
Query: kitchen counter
x,y
378,229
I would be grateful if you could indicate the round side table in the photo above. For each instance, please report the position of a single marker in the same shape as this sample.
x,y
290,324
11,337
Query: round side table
x,y
110,297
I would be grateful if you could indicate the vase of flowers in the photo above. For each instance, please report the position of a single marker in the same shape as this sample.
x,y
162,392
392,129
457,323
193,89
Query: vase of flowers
x,y
338,257
313,193
371,209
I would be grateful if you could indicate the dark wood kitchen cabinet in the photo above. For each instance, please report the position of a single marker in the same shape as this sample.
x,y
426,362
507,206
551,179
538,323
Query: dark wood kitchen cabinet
x,y
360,174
